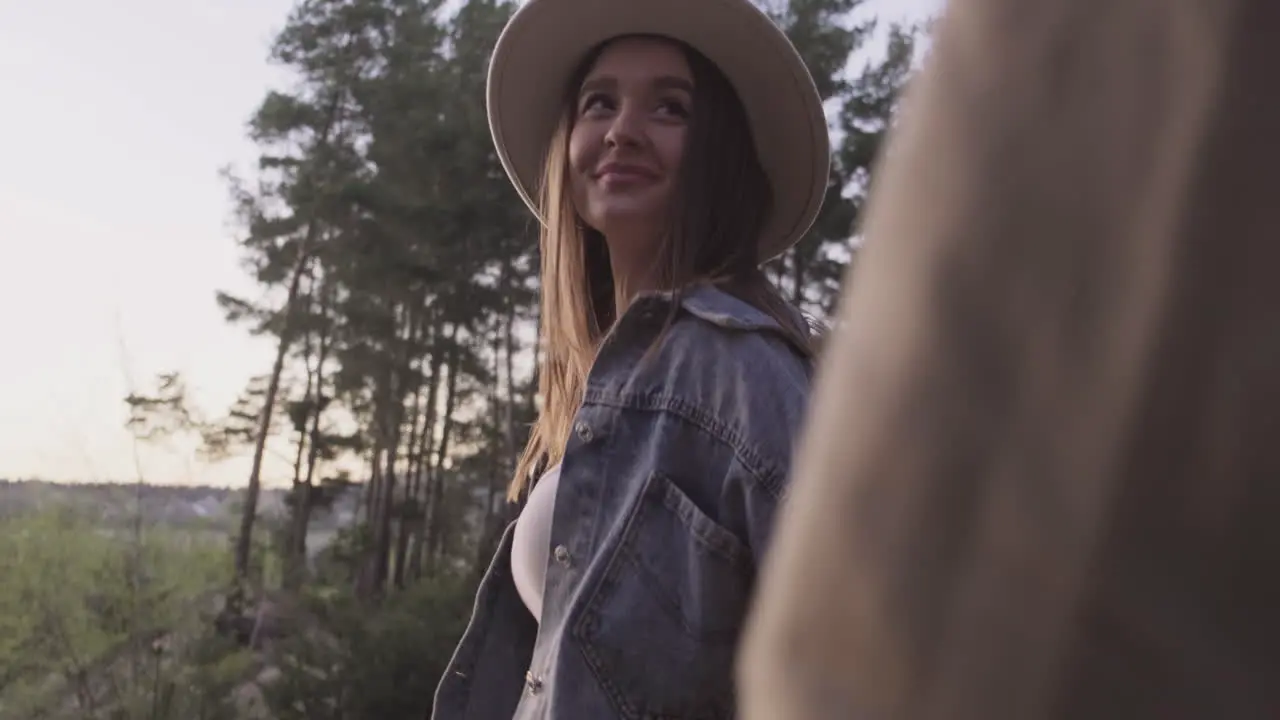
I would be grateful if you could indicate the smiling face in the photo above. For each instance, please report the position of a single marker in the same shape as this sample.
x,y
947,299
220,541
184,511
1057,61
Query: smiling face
x,y
628,139
654,155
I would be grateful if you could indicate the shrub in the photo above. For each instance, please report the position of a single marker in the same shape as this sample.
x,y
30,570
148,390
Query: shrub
x,y
363,662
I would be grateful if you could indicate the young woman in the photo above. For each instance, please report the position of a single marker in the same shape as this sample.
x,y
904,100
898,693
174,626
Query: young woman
x,y
673,146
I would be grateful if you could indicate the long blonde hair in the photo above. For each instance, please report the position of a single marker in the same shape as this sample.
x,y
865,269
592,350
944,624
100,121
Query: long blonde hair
x,y
722,201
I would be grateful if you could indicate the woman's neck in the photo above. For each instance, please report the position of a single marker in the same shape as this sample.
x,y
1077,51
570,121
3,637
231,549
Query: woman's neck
x,y
627,286
635,271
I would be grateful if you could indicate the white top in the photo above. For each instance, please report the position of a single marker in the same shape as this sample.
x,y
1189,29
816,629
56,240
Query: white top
x,y
531,543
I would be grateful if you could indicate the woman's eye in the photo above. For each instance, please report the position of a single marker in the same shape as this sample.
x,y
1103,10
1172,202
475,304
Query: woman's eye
x,y
674,107
595,101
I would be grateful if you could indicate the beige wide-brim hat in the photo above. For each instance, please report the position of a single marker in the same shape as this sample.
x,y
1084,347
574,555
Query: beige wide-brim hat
x,y
546,40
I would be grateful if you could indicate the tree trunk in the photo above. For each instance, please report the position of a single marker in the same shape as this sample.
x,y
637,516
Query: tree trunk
x,y
435,534
403,524
293,562
302,516
497,456
798,266
389,417
428,462
370,577
244,543
509,431
409,510
361,567
495,511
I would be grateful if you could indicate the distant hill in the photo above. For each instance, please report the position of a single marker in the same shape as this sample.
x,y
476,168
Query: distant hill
x,y
115,504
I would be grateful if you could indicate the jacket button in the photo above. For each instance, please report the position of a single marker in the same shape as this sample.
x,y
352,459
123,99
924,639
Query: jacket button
x,y
533,683
562,555
584,431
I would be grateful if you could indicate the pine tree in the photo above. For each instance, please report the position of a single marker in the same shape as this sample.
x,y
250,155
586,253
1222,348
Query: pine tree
x,y
826,36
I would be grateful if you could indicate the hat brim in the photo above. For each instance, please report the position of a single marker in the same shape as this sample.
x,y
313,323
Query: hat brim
x,y
545,41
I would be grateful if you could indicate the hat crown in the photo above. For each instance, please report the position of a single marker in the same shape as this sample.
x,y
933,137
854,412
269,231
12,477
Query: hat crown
x,y
546,40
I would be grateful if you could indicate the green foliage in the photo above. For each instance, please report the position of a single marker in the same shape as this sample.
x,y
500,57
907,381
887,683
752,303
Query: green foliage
x,y
81,603
203,683
161,414
204,680
362,662
397,272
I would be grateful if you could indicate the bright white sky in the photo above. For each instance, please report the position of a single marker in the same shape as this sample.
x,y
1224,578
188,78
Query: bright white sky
x,y
114,228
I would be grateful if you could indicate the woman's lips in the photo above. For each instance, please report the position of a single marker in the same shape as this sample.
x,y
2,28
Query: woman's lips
x,y
615,174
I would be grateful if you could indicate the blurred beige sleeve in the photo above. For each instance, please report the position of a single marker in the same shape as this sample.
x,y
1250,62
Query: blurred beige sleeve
x,y
1041,477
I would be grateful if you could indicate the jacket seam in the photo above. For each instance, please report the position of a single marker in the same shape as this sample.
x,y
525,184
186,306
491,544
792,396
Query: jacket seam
x,y
761,472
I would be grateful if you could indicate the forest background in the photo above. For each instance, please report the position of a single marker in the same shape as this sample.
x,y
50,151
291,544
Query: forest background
x,y
394,274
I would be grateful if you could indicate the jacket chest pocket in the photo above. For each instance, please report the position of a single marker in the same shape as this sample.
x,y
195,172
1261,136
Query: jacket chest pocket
x,y
660,629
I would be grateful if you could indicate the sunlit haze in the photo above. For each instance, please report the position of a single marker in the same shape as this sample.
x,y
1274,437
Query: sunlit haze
x,y
114,222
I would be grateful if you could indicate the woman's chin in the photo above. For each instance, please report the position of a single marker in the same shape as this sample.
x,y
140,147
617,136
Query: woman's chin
x,y
624,214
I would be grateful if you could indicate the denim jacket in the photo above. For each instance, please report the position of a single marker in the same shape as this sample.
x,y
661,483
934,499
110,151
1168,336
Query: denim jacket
x,y
669,486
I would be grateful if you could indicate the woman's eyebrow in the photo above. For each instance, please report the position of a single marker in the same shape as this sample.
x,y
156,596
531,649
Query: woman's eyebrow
x,y
604,83
672,82
598,84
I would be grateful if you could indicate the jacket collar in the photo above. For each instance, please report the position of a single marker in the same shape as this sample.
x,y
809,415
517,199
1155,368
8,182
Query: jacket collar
x,y
711,304
718,307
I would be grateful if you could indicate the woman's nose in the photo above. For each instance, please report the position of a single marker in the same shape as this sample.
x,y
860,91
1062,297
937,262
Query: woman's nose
x,y
626,129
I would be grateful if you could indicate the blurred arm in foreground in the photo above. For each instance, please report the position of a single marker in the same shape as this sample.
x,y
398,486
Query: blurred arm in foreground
x,y
1042,477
